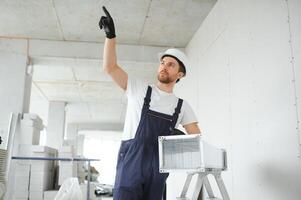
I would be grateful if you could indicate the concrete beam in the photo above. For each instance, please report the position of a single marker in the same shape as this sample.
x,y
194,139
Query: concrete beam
x,y
13,46
89,50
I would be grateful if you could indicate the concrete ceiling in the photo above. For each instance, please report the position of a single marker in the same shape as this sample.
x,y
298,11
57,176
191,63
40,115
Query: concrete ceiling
x,y
89,93
138,22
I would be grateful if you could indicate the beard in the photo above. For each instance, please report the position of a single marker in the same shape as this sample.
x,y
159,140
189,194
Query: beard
x,y
164,79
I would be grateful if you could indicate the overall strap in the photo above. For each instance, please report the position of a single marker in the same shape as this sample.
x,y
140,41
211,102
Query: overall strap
x,y
144,110
147,99
176,113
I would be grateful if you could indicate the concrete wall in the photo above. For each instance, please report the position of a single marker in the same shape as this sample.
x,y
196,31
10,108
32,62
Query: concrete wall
x,y
246,89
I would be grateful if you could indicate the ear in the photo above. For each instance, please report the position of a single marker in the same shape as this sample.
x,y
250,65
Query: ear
x,y
180,75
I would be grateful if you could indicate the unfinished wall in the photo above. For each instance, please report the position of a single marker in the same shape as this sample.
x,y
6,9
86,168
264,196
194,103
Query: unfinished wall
x,y
246,82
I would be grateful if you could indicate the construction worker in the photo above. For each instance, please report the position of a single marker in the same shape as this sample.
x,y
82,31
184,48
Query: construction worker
x,y
152,111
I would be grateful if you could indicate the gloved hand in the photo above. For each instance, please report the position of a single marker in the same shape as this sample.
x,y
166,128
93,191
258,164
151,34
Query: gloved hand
x,y
107,23
178,132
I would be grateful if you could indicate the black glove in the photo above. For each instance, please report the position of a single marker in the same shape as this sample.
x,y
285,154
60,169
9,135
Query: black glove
x,y
178,132
108,24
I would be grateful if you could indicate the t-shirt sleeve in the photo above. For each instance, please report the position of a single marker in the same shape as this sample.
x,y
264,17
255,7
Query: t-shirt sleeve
x,y
135,87
188,115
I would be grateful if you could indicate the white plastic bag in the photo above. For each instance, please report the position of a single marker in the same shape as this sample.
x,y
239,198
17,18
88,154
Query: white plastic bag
x,y
69,190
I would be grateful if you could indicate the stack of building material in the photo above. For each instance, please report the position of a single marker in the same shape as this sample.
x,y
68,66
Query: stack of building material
x,y
50,195
33,177
67,169
31,126
26,150
41,178
22,177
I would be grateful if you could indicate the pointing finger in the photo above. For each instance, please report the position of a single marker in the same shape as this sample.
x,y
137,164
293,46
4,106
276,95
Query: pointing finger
x,y
106,12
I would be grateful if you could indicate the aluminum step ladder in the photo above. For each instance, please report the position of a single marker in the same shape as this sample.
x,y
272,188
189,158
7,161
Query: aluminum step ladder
x,y
192,154
202,180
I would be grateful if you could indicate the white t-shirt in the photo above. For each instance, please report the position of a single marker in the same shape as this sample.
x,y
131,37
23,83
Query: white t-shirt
x,y
160,101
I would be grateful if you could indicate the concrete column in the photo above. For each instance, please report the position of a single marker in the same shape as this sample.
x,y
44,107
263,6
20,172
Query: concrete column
x,y
56,124
71,136
72,132
14,88
15,82
80,145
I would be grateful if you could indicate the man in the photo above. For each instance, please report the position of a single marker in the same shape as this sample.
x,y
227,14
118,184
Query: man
x,y
152,111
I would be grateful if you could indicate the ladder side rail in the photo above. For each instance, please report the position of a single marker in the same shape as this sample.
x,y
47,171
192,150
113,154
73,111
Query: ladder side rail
x,y
198,185
208,187
186,185
221,185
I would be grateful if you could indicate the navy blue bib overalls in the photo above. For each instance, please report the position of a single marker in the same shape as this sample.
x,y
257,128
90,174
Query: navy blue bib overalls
x,y
137,176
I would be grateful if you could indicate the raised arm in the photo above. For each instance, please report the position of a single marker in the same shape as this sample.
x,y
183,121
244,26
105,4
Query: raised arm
x,y
109,53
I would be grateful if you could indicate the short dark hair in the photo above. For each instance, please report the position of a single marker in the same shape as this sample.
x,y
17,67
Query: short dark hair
x,y
182,66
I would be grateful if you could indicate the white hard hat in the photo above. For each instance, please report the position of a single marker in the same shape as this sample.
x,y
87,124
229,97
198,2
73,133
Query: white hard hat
x,y
178,55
